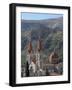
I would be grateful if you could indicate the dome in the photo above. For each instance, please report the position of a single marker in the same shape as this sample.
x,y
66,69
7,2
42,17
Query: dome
x,y
53,58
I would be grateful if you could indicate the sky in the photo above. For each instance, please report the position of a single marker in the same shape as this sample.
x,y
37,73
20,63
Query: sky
x,y
39,16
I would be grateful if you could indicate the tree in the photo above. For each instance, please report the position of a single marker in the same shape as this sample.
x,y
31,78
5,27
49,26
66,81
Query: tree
x,y
27,69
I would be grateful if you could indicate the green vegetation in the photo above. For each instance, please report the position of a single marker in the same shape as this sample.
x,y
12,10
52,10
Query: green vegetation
x,y
23,59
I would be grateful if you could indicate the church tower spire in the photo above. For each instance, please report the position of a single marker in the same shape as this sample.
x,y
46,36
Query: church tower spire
x,y
29,51
39,46
30,47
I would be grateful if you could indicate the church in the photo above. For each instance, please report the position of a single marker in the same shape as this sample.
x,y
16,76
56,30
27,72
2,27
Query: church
x,y
37,66
34,58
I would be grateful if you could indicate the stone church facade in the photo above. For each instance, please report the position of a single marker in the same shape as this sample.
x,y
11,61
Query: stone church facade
x,y
36,66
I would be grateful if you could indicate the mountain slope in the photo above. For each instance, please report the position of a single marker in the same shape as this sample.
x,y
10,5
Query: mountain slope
x,y
50,32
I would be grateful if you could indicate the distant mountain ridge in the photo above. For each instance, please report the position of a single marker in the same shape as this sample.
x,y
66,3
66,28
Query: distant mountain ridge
x,y
60,19
41,24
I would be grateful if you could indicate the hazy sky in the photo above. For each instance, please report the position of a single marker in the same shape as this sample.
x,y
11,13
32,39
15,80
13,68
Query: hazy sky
x,y
39,16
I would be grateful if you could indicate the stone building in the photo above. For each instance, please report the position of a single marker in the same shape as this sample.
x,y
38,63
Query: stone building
x,y
34,57
39,66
